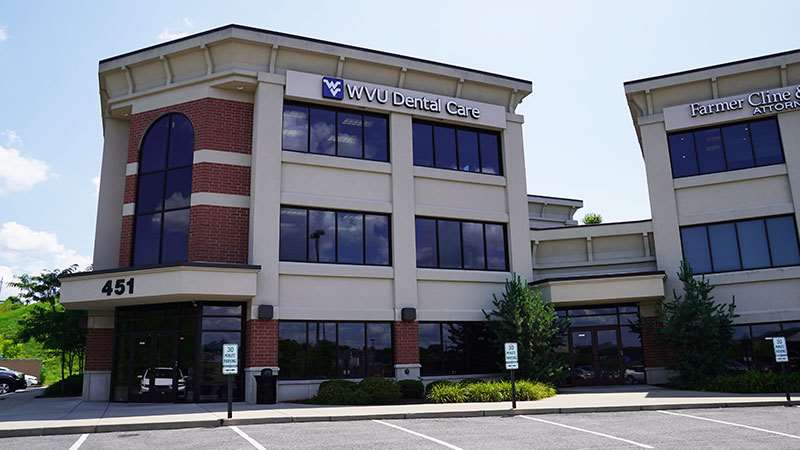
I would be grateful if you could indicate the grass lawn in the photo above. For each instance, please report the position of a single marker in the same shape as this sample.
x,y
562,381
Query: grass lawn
x,y
10,318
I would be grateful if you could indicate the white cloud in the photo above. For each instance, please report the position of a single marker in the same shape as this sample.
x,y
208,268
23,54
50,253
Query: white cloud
x,y
24,250
3,33
18,172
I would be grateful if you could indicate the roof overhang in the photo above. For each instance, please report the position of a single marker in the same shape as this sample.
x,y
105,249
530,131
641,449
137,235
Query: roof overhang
x,y
600,289
158,284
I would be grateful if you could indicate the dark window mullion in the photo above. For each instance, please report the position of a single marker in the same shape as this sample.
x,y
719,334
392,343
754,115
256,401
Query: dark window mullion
x,y
752,146
336,243
769,247
485,247
723,148
363,239
696,155
164,189
306,236
436,244
710,251
739,244
363,136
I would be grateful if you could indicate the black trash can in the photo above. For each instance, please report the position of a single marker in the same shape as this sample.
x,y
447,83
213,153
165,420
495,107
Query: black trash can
x,y
266,388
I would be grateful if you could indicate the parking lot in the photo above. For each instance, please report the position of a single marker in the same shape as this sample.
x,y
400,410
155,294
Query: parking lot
x,y
759,427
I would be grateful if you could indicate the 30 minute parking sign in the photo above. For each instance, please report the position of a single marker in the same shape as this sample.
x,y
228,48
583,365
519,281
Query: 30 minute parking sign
x,y
230,359
512,360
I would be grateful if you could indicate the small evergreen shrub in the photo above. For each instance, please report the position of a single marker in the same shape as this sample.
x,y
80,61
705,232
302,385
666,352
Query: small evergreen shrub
x,y
447,393
380,391
488,391
72,386
754,382
370,391
432,385
411,389
336,392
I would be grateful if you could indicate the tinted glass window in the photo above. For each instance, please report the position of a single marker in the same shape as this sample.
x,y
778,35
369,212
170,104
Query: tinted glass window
x,y
738,149
449,244
766,142
710,157
468,159
295,128
153,152
321,236
474,257
724,247
753,244
181,142
444,141
323,131
349,135
350,236
783,241
376,230
179,188
351,349
495,247
423,144
456,348
695,249
148,240
376,135
430,348
291,349
293,235
321,356
426,242
490,154
379,350
175,243
151,193
682,154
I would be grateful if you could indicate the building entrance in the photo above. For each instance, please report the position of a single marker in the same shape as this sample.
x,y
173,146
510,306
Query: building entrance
x,y
604,345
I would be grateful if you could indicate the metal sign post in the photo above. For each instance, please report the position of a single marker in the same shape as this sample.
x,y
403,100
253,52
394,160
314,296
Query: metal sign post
x,y
230,367
512,364
782,356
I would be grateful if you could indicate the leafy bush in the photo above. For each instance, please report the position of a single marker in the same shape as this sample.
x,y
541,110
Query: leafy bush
x,y
380,391
592,219
432,385
754,382
370,391
488,391
72,386
412,389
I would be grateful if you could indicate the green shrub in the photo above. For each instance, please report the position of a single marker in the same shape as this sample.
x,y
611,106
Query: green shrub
x,y
488,391
336,392
72,386
447,393
380,391
412,389
754,382
468,381
432,385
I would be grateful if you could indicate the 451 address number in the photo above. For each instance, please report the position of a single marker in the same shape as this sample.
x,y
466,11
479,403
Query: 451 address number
x,y
119,286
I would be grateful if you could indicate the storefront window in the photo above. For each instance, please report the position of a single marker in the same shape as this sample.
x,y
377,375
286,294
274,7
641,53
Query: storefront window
x,y
752,346
456,148
457,348
454,244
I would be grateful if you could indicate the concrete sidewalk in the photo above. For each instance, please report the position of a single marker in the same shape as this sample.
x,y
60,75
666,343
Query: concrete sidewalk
x,y
21,414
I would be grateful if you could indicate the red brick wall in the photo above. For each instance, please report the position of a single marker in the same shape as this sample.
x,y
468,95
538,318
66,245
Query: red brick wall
x,y
218,234
99,348
406,342
655,354
262,343
221,178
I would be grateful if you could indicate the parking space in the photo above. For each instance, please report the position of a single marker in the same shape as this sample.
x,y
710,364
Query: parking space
x,y
729,428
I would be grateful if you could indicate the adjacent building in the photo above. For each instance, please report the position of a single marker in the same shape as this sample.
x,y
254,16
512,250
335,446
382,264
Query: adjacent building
x,y
340,212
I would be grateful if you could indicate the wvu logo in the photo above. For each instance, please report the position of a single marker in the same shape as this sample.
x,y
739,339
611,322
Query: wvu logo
x,y
332,88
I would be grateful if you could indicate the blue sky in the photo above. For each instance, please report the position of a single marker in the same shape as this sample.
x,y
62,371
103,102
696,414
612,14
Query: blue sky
x,y
579,138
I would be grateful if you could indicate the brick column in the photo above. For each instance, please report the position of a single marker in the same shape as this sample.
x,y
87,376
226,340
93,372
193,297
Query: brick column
x,y
261,352
657,357
406,350
99,356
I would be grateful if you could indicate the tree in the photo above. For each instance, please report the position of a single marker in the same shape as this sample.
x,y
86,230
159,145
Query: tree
x,y
592,219
521,315
697,329
60,331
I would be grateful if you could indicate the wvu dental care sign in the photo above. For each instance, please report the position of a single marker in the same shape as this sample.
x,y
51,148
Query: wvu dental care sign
x,y
764,102
373,96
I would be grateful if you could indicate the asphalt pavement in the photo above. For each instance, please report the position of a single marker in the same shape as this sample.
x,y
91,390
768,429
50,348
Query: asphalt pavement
x,y
729,428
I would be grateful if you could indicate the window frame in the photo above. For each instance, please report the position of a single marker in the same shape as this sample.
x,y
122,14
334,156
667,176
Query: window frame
x,y
456,129
461,222
724,151
165,171
469,352
365,365
748,343
741,268
336,111
336,236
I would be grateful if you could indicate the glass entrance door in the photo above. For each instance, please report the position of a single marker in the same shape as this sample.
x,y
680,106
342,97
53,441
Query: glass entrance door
x,y
595,356
154,372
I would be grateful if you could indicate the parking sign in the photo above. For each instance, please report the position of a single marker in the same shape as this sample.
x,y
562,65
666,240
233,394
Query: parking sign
x,y
230,359
512,361
779,345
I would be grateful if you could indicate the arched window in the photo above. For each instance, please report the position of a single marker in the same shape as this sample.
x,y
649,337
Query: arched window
x,y
164,192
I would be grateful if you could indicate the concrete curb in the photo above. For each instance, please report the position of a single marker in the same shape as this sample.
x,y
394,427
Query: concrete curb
x,y
213,423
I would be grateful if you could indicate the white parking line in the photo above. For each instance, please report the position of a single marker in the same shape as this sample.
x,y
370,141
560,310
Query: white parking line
x,y
252,441
731,424
638,444
432,439
79,442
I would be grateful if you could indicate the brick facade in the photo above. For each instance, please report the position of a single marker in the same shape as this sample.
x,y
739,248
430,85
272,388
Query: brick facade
x,y
262,343
406,342
99,348
216,234
655,355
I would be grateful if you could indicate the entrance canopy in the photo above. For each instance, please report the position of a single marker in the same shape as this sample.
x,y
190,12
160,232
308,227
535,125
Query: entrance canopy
x,y
107,289
615,288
